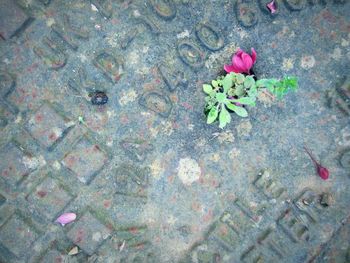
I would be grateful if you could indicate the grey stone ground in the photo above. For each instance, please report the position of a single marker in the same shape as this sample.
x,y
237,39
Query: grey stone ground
x,y
148,179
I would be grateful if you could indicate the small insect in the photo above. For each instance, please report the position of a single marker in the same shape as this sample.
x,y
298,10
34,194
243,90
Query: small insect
x,y
98,98
322,171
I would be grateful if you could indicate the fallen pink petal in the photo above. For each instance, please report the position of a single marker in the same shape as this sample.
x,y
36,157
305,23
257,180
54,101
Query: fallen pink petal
x,y
66,218
272,7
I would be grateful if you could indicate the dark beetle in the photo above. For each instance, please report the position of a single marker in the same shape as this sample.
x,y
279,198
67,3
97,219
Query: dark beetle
x,y
98,98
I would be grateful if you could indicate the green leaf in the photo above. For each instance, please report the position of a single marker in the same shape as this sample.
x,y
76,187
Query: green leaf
x,y
219,80
207,88
230,106
290,83
260,83
227,82
249,82
266,83
214,83
231,92
208,107
283,86
212,115
252,92
221,97
224,117
210,102
233,76
212,94
240,78
245,100
242,112
239,90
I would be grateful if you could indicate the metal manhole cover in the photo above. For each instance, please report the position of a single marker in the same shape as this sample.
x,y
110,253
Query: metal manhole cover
x,y
149,180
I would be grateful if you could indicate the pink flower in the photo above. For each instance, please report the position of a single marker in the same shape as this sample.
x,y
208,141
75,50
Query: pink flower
x,y
241,62
66,218
272,7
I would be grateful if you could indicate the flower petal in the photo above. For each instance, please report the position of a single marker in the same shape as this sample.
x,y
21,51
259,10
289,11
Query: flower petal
x,y
238,53
248,62
233,68
229,68
253,55
272,7
238,63
66,218
237,70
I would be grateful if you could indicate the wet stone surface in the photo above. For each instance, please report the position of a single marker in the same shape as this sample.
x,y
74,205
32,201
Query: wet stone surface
x,y
148,179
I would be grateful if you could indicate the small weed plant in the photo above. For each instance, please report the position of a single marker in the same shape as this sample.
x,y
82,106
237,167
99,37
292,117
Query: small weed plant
x,y
235,91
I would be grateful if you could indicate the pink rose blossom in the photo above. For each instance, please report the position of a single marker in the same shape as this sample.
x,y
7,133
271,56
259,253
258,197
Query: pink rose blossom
x,y
241,62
